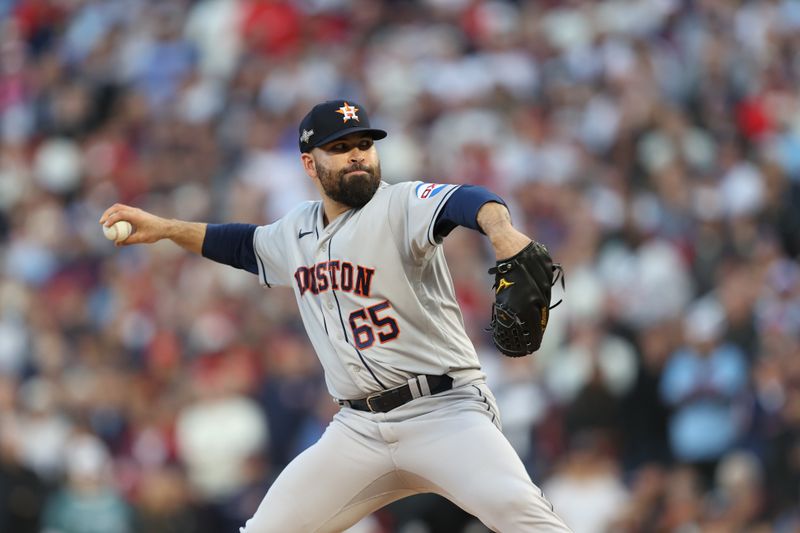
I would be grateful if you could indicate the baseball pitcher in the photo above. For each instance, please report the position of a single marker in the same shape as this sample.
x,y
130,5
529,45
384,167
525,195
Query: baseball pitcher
x,y
376,298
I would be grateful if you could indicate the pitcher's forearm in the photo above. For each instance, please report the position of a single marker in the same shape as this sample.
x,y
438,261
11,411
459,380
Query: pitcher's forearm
x,y
188,235
495,222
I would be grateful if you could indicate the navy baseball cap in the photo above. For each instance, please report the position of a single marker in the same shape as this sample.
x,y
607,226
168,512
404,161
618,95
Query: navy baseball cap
x,y
333,119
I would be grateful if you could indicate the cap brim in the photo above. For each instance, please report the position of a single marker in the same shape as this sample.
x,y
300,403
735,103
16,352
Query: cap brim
x,y
374,133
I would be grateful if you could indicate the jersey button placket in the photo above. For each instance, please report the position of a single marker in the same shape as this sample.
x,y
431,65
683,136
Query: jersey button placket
x,y
329,297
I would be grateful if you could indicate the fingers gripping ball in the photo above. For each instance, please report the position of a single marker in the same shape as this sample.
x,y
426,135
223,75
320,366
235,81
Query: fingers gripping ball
x,y
522,299
119,231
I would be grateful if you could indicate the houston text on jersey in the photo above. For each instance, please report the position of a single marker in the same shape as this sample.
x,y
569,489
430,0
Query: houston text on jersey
x,y
335,275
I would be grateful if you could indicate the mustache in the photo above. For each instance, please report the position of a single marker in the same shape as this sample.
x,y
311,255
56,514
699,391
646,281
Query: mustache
x,y
356,168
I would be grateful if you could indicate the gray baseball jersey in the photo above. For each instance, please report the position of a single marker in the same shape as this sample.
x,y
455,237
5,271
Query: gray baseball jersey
x,y
373,288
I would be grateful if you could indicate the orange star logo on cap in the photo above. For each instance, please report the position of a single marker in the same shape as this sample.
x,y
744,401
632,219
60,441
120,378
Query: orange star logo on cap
x,y
348,111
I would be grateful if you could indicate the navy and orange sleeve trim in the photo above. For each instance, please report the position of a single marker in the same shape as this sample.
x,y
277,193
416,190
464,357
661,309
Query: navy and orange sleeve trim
x,y
462,209
231,244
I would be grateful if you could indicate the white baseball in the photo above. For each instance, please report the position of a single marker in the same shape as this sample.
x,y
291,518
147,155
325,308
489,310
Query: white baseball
x,y
119,231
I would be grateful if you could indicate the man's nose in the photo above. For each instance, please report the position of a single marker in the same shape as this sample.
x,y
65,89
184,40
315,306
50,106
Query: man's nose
x,y
357,155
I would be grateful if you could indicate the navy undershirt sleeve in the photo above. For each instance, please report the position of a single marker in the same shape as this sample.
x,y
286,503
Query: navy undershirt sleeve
x,y
231,244
462,209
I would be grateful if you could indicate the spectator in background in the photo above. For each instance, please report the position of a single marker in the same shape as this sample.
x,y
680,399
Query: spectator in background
x,y
738,288
164,504
220,430
682,502
704,382
22,491
644,414
587,487
44,429
289,394
593,355
164,59
88,503
641,511
777,390
737,503
778,306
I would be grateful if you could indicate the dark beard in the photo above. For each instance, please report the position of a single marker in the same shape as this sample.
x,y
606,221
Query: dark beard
x,y
354,191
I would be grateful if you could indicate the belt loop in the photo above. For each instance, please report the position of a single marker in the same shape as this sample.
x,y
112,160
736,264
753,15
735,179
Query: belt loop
x,y
369,405
424,386
414,388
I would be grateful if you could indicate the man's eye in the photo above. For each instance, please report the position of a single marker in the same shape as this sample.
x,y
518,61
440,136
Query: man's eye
x,y
365,144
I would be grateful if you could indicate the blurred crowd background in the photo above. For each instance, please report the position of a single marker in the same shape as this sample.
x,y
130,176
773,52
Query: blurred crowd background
x,y
652,145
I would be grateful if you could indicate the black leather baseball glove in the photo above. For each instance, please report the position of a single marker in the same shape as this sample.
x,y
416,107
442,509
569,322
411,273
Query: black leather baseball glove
x,y
521,309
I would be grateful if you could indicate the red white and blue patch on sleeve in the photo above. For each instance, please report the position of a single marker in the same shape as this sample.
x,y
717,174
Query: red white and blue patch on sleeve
x,y
428,190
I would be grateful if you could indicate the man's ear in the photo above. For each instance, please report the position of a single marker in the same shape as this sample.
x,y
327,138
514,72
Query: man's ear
x,y
308,165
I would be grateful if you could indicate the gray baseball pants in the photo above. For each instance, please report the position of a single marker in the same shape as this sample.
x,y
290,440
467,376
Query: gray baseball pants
x,y
449,444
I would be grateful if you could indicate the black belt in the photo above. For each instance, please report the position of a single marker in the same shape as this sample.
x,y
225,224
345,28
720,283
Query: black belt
x,y
385,401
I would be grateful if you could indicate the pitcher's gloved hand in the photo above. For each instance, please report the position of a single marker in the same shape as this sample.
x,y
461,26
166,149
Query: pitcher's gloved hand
x,y
521,309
